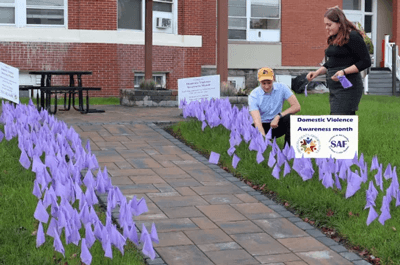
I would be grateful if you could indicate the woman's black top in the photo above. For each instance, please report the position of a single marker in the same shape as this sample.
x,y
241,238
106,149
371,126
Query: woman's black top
x,y
354,52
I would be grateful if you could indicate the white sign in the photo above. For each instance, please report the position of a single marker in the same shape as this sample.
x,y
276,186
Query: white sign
x,y
197,88
9,82
324,136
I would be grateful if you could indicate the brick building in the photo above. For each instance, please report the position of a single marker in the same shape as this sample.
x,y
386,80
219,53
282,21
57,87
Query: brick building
x,y
107,37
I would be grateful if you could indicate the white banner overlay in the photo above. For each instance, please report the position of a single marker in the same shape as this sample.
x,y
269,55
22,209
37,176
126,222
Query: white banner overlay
x,y
9,82
197,88
324,136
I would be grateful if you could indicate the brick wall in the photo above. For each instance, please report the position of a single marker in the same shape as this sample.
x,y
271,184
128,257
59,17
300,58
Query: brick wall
x,y
396,22
113,65
92,14
303,31
198,17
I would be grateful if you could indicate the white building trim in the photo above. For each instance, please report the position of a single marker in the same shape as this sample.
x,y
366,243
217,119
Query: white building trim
x,y
60,35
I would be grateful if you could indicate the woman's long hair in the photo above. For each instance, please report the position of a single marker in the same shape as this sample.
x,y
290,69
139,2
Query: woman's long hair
x,y
335,14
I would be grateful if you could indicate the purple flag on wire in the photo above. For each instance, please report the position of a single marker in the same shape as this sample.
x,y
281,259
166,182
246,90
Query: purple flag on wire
x,y
58,246
374,163
271,159
327,180
378,177
89,236
1,136
36,189
260,157
235,160
287,169
214,157
86,257
388,172
276,171
41,213
337,182
231,150
40,238
269,134
153,234
24,160
344,81
372,215
385,210
353,184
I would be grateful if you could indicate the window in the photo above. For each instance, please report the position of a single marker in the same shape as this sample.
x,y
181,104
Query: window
x,y
352,4
7,11
254,20
33,12
131,14
160,80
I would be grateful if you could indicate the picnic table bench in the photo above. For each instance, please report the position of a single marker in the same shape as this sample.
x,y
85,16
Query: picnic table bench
x,y
47,90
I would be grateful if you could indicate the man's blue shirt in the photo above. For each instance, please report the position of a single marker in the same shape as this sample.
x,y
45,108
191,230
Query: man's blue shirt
x,y
269,104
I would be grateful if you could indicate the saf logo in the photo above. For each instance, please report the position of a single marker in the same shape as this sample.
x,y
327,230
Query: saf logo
x,y
339,144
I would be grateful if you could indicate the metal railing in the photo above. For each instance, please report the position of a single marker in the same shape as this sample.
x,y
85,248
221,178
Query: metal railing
x,y
392,61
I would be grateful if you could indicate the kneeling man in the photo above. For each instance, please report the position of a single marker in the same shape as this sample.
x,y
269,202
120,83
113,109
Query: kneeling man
x,y
266,102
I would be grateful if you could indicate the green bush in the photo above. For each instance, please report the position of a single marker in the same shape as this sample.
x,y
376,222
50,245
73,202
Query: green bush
x,y
148,84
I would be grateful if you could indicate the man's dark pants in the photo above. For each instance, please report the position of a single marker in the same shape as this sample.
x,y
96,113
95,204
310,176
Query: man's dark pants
x,y
283,128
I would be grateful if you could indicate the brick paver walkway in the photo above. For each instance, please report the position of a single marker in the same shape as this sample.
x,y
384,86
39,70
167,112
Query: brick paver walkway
x,y
203,214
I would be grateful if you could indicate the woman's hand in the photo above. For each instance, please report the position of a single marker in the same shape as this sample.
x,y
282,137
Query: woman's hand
x,y
311,75
335,76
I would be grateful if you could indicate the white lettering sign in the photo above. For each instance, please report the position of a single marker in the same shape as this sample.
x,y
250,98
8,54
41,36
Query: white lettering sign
x,y
324,136
197,88
9,82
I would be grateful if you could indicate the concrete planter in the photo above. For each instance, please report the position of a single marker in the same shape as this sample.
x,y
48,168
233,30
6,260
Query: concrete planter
x,y
148,98
238,100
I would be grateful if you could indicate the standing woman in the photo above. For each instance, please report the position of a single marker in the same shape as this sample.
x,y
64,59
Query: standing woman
x,y
347,55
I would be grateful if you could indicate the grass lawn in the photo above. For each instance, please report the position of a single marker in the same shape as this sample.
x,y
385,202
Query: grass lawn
x,y
18,226
379,135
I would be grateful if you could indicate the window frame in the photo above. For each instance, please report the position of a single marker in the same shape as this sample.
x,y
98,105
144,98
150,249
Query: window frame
x,y
249,18
21,16
174,19
141,74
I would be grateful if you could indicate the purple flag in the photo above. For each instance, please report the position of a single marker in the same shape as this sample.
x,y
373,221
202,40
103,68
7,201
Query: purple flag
x,y
153,234
231,150
344,81
86,257
235,160
374,163
287,169
337,182
276,171
36,190
58,246
89,236
214,157
388,172
305,90
353,184
41,213
271,159
1,136
327,180
24,160
378,177
148,249
372,215
385,210
290,154
268,135
40,238
260,157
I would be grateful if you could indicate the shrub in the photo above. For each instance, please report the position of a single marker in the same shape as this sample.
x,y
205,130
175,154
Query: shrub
x,y
148,84
367,39
227,90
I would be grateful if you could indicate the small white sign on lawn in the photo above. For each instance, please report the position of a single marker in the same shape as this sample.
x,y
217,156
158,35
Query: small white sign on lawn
x,y
197,88
324,136
9,82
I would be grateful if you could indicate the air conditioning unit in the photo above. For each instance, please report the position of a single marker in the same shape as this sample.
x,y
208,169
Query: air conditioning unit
x,y
163,23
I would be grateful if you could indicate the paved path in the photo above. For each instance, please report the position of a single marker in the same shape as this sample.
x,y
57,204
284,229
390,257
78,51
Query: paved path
x,y
203,214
